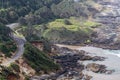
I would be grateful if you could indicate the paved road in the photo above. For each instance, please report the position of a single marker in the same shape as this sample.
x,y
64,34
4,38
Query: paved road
x,y
20,41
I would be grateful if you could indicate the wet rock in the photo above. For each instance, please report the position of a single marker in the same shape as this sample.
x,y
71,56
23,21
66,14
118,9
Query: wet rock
x,y
109,71
82,52
87,77
98,58
85,57
96,68
81,75
69,62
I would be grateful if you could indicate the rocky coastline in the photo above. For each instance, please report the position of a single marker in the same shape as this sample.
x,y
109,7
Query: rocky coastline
x,y
72,67
106,37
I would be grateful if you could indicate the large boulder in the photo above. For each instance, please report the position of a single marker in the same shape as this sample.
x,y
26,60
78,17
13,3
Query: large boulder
x,y
96,68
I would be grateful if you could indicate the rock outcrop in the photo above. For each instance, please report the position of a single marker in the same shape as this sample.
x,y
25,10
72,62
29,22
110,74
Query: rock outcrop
x,y
97,68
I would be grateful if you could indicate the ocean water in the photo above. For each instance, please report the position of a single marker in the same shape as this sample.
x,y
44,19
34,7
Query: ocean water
x,y
113,52
112,62
96,50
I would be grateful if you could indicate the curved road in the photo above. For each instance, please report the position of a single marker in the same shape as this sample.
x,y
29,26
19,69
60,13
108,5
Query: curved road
x,y
20,41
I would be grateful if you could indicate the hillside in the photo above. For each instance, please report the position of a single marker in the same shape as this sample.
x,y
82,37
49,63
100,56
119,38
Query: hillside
x,y
12,10
82,12
39,63
38,60
31,51
44,10
7,45
66,30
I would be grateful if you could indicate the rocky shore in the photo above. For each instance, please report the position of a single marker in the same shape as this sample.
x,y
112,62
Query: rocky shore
x,y
92,63
72,67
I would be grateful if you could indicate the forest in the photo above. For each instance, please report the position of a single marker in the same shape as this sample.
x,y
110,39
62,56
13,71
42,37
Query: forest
x,y
39,11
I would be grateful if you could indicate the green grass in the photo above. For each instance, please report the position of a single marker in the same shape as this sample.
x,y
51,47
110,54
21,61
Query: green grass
x,y
90,24
78,30
75,24
60,23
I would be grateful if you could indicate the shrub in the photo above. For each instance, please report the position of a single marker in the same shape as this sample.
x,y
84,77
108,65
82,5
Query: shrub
x,y
67,22
38,60
15,67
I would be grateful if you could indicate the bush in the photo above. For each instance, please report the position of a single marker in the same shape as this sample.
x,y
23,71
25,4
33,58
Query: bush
x,y
6,43
5,50
67,22
38,60
6,72
15,67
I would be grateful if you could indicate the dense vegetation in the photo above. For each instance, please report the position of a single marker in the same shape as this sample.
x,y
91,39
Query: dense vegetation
x,y
38,60
63,9
8,73
12,10
69,30
7,45
63,30
35,12
32,13
38,11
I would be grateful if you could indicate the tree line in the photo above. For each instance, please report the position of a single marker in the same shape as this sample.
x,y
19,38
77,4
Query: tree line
x,y
39,11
